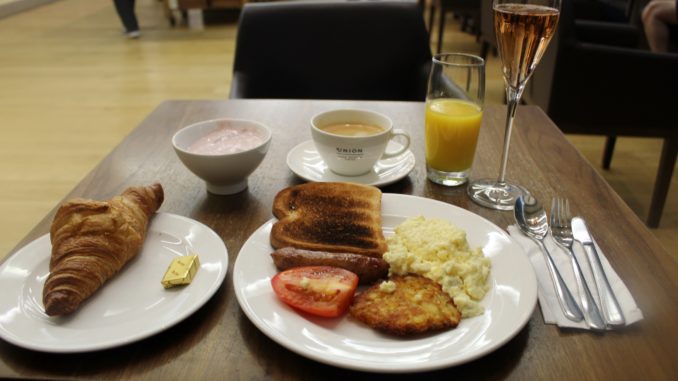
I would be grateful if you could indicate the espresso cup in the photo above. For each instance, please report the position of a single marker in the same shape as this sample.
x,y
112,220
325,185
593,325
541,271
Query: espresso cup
x,y
351,141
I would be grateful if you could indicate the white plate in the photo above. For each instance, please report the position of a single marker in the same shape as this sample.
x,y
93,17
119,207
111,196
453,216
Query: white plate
x,y
346,343
129,307
305,161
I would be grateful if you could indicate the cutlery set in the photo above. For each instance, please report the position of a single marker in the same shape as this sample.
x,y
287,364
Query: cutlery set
x,y
564,229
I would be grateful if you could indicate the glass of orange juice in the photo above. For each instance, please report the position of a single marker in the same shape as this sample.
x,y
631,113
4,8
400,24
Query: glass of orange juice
x,y
454,110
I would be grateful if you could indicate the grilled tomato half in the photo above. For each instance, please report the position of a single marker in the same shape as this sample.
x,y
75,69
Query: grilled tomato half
x,y
319,290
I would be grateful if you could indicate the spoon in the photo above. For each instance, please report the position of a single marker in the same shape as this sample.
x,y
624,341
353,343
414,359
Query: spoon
x,y
531,218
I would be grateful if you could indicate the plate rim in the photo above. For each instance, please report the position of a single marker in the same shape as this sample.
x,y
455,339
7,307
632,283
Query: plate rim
x,y
408,156
215,285
287,343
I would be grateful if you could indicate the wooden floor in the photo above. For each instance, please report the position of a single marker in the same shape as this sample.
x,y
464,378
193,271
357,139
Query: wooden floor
x,y
71,87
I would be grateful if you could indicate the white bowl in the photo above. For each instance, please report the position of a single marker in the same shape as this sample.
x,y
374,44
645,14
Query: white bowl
x,y
223,173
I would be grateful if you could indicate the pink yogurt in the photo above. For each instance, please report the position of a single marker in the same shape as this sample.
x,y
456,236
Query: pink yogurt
x,y
227,140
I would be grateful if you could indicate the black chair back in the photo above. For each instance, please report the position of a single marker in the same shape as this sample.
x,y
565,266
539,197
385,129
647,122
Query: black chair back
x,y
362,50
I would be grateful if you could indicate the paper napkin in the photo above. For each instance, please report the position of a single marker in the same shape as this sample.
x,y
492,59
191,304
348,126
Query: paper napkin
x,y
546,293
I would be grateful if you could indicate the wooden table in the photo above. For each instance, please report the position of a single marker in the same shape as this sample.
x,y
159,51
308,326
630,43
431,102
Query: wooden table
x,y
219,342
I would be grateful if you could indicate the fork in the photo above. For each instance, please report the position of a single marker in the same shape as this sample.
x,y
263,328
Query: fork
x,y
561,231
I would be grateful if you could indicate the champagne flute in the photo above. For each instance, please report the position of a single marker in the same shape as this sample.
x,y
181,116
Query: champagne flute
x,y
524,29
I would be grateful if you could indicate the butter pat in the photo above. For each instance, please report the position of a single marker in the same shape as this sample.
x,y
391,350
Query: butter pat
x,y
181,271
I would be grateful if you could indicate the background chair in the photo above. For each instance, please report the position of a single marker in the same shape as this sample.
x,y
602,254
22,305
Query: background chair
x,y
604,10
589,14
488,38
467,10
604,89
376,50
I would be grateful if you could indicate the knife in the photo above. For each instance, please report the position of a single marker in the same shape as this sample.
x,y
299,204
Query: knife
x,y
612,312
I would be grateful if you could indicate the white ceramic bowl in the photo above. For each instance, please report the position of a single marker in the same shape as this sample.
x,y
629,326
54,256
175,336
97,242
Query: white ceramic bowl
x,y
223,173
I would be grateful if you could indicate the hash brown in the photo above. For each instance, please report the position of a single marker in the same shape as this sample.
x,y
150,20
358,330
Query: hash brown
x,y
417,305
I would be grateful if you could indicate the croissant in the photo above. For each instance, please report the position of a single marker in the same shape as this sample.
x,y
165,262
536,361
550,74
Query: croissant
x,y
92,241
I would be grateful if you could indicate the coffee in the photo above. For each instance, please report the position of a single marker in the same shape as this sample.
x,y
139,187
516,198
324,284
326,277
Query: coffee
x,y
353,129
351,141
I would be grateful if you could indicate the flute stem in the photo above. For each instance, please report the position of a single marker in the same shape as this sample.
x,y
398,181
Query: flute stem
x,y
512,97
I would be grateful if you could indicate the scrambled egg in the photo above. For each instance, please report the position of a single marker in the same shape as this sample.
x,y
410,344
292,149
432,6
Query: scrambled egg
x,y
439,251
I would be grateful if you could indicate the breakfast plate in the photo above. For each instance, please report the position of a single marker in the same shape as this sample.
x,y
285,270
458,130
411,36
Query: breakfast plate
x,y
129,307
305,161
346,343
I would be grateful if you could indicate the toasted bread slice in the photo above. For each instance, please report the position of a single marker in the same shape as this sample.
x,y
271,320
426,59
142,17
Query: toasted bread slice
x,y
334,217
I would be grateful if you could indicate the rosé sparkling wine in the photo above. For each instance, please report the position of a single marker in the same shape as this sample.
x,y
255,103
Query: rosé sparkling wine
x,y
523,33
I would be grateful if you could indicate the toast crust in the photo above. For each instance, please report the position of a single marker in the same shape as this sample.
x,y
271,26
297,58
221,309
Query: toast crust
x,y
333,217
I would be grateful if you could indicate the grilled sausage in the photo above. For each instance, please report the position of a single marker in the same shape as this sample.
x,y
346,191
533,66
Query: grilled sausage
x,y
368,269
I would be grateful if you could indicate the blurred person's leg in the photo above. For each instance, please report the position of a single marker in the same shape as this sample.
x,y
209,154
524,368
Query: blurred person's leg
x,y
658,15
125,9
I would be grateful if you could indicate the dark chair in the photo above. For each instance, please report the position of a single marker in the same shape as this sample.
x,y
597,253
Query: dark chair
x,y
467,10
362,50
602,89
589,12
488,38
603,10
588,16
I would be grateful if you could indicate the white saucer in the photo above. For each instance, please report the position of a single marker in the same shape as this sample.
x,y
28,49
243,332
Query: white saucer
x,y
305,161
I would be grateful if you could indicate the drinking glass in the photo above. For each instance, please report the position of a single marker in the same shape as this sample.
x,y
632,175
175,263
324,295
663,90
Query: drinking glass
x,y
454,109
524,29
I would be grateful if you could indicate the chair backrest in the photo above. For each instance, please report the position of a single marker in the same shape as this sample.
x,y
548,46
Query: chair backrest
x,y
607,10
362,50
600,88
487,33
